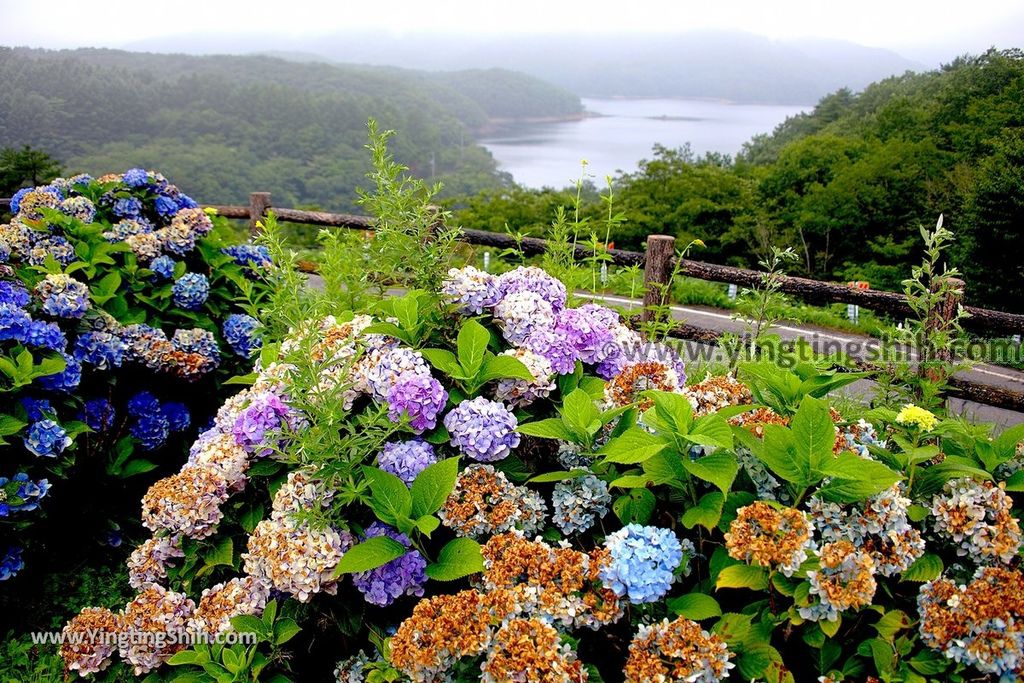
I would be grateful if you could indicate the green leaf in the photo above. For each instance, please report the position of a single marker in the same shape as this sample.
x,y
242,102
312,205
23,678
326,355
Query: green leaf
x,y
285,630
247,623
250,517
370,554
814,433
1016,481
632,447
137,466
221,554
711,430
185,657
500,367
579,414
390,498
634,507
551,428
926,568
631,481
743,576
433,485
444,361
458,558
10,425
558,475
427,524
706,513
672,413
719,469
777,451
666,468
882,653
696,606
472,345
892,623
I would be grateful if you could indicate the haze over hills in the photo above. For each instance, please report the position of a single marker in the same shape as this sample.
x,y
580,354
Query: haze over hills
x,y
231,124
731,65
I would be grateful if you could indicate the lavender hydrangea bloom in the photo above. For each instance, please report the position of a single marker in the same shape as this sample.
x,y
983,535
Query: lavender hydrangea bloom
x,y
471,289
558,350
102,350
240,333
190,291
79,207
484,430
402,576
46,439
16,199
535,280
249,256
586,333
642,562
265,414
418,397
406,459
521,313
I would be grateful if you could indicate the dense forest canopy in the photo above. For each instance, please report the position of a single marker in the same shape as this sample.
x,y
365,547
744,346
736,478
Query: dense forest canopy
x,y
847,185
235,124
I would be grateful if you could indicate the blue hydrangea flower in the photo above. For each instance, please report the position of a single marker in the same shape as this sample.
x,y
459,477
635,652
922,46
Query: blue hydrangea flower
x,y
642,562
143,403
578,503
402,576
21,494
79,207
196,340
13,293
98,413
186,202
163,267
102,350
11,563
178,416
63,296
37,408
406,459
165,206
46,439
46,335
483,429
65,380
190,291
249,256
16,199
151,429
14,323
128,207
240,333
136,177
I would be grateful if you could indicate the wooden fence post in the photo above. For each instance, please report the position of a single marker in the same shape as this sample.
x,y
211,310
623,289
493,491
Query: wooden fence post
x,y
657,272
259,202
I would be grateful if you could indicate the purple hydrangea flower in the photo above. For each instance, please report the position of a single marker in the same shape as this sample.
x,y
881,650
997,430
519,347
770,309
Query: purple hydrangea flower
x,y
484,430
586,333
190,291
421,398
536,280
556,348
521,313
46,439
406,459
265,414
402,576
471,289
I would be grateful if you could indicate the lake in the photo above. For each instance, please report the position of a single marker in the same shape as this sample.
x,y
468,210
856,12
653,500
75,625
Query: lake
x,y
623,133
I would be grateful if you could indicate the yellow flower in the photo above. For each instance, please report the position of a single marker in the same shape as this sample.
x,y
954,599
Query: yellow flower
x,y
913,416
210,211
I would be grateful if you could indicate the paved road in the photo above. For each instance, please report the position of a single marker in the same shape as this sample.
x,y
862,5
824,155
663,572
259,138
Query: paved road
x,y
854,345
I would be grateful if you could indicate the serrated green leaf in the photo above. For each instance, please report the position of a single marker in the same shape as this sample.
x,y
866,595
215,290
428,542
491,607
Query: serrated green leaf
x,y
695,606
719,469
370,554
632,447
458,558
706,512
472,345
551,428
926,568
743,576
433,485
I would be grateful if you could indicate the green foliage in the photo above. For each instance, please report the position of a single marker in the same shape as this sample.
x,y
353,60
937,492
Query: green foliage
x,y
25,167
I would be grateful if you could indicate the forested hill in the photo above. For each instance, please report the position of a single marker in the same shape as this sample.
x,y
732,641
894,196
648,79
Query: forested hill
x,y
848,185
226,125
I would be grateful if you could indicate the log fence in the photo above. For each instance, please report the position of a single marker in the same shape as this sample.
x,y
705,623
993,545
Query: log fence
x,y
659,261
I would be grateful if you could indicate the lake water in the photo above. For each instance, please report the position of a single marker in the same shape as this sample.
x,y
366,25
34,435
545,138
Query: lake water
x,y
549,154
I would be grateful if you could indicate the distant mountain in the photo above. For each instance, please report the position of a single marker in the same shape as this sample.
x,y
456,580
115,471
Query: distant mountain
x,y
704,64
228,125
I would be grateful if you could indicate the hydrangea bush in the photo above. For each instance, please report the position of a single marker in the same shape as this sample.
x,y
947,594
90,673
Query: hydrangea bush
x,y
406,493
120,318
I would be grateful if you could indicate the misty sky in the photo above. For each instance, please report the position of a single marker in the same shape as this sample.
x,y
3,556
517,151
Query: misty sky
x,y
917,28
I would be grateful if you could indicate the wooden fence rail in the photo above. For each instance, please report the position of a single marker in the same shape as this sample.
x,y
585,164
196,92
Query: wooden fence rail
x,y
659,261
